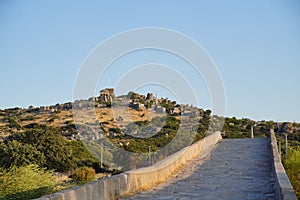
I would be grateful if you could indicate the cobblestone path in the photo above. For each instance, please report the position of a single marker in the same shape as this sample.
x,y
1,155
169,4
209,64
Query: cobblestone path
x,y
236,169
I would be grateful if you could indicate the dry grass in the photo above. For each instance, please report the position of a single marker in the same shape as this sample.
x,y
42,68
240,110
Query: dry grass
x,y
113,118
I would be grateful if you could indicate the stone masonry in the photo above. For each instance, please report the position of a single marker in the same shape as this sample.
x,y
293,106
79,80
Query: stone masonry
x,y
236,169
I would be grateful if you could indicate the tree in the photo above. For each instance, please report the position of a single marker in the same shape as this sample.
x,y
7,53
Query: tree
x,y
81,156
14,153
52,146
36,146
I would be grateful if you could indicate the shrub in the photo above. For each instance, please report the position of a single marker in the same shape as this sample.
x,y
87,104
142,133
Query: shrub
x,y
13,123
115,130
28,118
81,156
25,182
83,175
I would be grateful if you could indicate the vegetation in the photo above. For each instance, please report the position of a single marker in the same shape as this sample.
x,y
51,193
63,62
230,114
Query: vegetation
x,y
159,140
28,160
167,105
15,154
240,128
45,149
34,142
292,167
40,147
203,126
168,134
83,175
26,182
81,157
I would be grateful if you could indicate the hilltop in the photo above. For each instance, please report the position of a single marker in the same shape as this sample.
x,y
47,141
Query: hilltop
x,y
60,116
124,115
121,116
126,120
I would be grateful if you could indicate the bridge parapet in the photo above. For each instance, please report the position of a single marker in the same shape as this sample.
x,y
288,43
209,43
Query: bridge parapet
x,y
135,180
284,188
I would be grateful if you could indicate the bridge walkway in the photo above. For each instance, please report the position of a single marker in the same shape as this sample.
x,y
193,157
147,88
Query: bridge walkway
x,y
236,169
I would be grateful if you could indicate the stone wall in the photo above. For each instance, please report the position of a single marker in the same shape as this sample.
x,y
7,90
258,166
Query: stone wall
x,y
284,188
135,180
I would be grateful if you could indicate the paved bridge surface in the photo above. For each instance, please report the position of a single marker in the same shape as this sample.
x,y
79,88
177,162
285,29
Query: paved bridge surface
x,y
236,169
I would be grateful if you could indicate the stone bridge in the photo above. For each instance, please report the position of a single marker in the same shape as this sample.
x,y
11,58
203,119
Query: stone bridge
x,y
217,169
236,169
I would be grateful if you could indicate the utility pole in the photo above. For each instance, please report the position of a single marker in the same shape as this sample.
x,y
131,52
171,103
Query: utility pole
x,y
101,156
279,148
149,156
286,146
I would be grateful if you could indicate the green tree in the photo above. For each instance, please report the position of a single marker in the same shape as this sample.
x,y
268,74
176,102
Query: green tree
x,y
14,153
81,156
52,146
36,146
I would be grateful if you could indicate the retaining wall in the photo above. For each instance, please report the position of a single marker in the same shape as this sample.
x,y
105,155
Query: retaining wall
x,y
132,181
284,188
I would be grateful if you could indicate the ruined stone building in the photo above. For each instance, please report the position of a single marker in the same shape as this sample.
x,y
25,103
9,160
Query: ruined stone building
x,y
106,95
149,97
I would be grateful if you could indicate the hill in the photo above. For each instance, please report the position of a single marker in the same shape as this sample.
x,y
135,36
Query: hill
x,y
62,137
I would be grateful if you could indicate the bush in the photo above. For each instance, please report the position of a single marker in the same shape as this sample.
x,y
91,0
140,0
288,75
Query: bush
x,y
81,156
28,118
115,130
25,182
13,123
83,175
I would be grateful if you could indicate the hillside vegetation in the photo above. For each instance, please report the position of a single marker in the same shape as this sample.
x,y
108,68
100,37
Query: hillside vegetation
x,y
46,141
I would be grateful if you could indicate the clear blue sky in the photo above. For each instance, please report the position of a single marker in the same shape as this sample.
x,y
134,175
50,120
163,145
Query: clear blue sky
x,y
255,44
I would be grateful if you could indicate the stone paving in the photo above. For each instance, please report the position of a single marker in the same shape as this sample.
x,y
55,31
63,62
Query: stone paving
x,y
236,169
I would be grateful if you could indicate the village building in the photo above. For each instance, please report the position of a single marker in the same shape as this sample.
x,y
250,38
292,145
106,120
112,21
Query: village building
x,y
137,106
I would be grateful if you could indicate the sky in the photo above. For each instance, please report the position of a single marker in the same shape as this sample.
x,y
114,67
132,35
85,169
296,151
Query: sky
x,y
254,44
